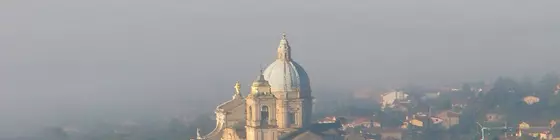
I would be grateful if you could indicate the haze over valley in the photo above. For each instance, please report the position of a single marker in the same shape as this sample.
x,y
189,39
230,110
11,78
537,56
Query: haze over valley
x,y
71,63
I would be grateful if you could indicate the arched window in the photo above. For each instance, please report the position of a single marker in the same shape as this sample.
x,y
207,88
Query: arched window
x,y
292,118
250,113
264,115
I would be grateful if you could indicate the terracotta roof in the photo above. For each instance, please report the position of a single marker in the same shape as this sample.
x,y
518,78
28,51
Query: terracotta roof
x,y
448,113
453,114
328,119
360,120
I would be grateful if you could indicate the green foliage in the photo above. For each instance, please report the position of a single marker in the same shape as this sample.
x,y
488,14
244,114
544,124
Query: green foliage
x,y
391,118
507,98
554,101
548,83
443,104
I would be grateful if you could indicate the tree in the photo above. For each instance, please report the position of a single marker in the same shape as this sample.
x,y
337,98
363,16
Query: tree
x,y
391,118
548,83
443,104
505,95
527,86
554,101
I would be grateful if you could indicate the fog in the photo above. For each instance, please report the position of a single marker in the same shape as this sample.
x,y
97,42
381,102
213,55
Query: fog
x,y
71,60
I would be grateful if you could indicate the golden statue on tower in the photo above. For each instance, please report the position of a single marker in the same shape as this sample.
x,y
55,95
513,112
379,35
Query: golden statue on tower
x,y
237,88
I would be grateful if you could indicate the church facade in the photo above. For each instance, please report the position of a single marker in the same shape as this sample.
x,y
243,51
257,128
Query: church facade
x,y
279,104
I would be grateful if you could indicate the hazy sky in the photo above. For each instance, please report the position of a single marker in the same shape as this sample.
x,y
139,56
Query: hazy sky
x,y
62,57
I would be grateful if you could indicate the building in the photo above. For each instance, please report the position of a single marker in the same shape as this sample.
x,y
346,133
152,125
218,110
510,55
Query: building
x,y
538,129
530,100
448,118
390,99
279,105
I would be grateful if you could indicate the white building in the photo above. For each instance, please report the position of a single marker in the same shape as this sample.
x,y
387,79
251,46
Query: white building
x,y
389,98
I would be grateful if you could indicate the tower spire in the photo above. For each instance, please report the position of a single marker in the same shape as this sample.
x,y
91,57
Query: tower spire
x,y
261,69
284,50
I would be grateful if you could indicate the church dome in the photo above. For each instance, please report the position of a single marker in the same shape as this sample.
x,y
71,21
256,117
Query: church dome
x,y
284,74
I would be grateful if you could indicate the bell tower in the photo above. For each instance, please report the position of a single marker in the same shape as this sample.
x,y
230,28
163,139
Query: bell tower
x,y
261,112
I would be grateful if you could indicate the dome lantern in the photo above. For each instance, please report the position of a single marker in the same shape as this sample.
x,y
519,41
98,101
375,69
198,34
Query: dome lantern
x,y
284,50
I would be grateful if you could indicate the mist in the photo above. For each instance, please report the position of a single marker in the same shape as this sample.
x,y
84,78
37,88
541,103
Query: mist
x,y
75,60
